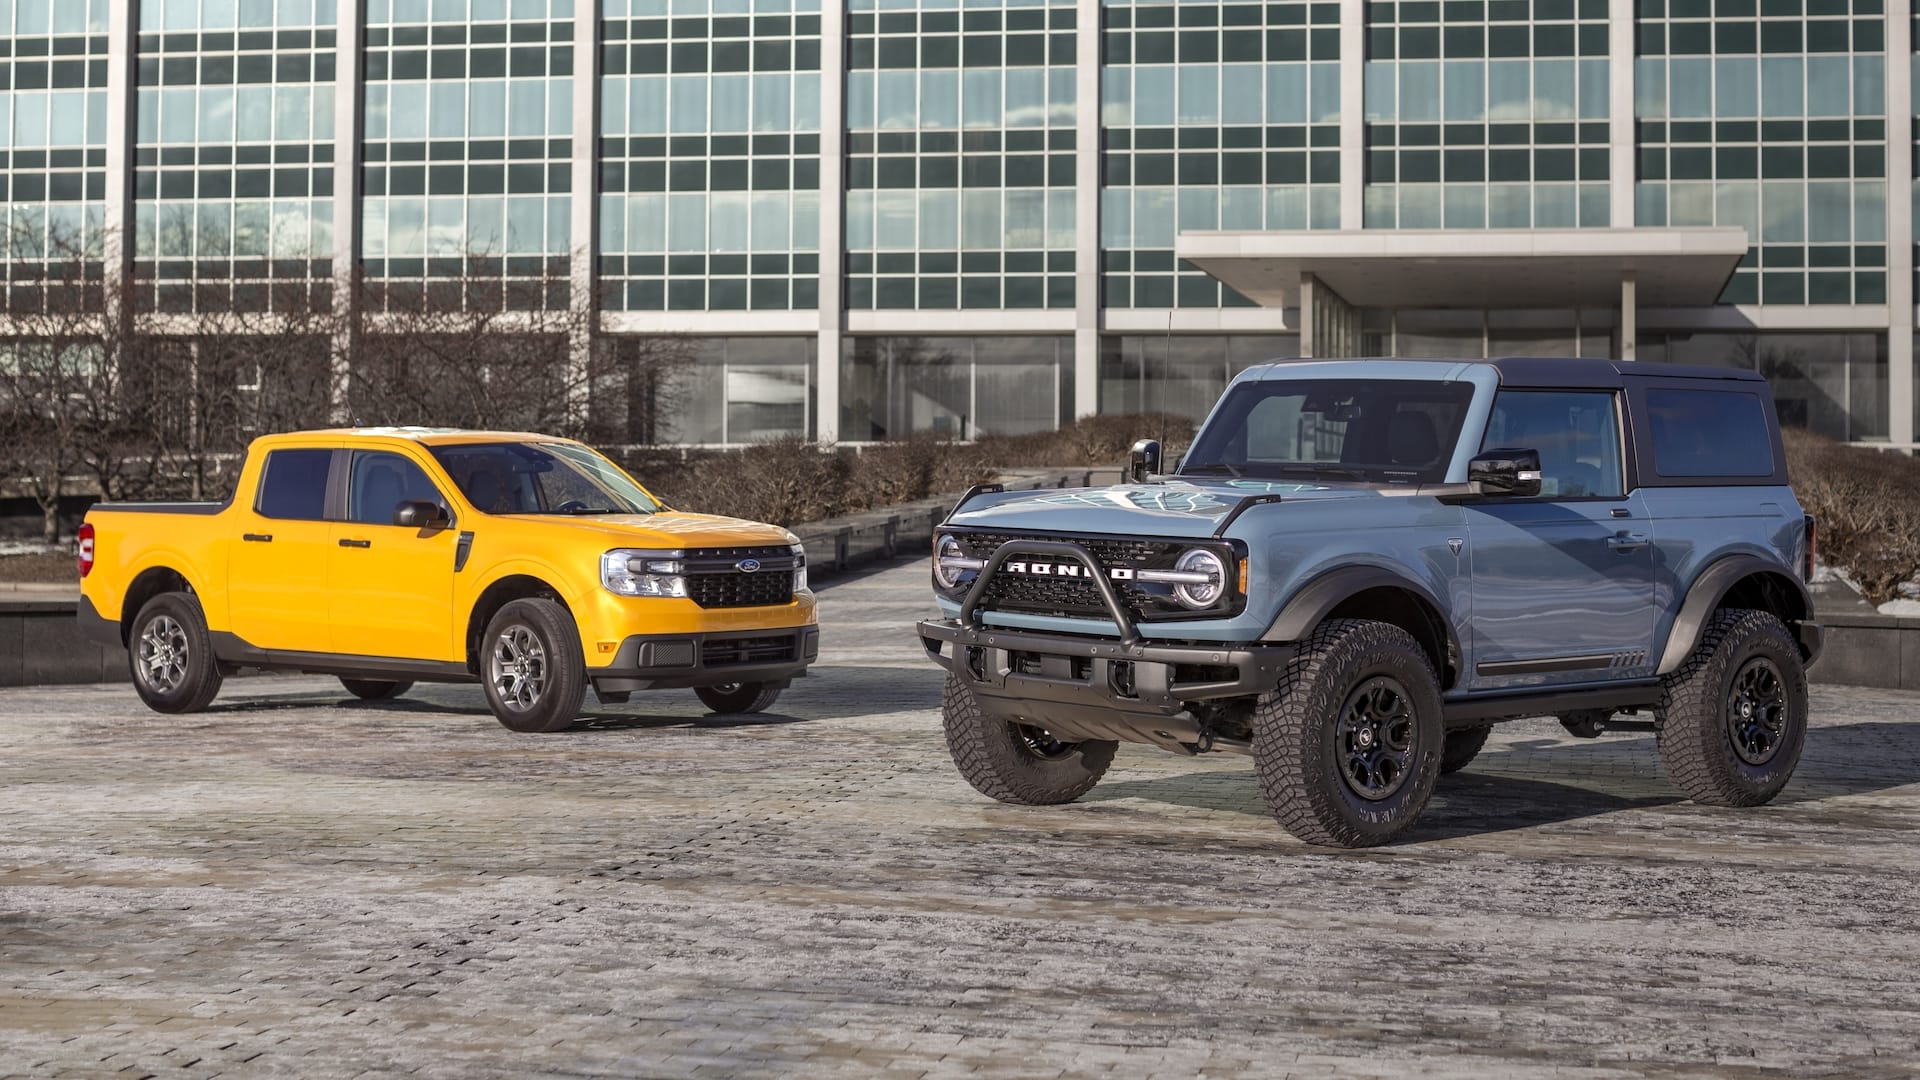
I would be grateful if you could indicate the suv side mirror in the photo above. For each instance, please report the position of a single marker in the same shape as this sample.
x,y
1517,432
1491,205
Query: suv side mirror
x,y
420,514
1513,472
1144,460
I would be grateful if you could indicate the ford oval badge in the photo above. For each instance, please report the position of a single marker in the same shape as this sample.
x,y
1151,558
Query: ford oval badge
x,y
747,566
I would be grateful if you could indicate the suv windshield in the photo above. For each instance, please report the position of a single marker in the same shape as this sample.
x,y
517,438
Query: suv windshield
x,y
1369,430
541,478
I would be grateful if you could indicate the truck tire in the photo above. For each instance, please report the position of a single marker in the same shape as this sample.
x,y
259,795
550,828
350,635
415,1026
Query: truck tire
x,y
1016,763
740,697
375,689
1347,747
171,656
532,668
1462,746
1733,718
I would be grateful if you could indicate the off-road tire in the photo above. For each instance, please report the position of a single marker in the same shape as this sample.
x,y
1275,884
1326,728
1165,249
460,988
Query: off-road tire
x,y
1696,703
1001,764
732,699
563,667
187,683
1462,746
1295,751
375,689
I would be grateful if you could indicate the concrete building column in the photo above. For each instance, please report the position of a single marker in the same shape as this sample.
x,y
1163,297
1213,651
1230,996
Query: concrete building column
x,y
1353,111
833,147
1622,165
583,278
349,95
123,21
1329,326
1086,209
1900,377
1629,316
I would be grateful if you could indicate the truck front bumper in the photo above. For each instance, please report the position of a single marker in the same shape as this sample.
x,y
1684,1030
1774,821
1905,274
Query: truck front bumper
x,y
1089,688
678,661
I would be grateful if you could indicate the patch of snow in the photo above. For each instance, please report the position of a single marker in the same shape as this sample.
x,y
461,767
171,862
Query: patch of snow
x,y
1907,608
30,547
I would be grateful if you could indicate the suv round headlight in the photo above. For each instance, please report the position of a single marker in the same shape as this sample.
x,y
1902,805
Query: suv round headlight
x,y
1196,594
947,557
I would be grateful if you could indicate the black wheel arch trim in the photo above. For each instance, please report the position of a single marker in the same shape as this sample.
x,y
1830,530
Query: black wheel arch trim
x,y
1712,585
1312,602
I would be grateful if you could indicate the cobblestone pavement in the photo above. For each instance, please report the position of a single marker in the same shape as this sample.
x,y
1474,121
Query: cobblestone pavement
x,y
296,884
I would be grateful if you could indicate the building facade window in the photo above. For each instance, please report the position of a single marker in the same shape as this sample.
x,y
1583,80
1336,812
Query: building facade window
x,y
960,156
954,387
1833,384
1773,118
53,137
468,174
1215,116
1487,114
1184,374
710,155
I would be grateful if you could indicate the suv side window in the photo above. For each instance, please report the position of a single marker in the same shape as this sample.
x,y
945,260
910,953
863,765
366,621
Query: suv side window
x,y
1577,434
293,485
382,480
1702,433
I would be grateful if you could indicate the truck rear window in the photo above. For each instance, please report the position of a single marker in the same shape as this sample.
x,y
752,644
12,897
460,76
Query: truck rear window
x,y
293,485
1708,433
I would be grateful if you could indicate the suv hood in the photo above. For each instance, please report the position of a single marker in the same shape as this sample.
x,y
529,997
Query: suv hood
x,y
671,529
1170,508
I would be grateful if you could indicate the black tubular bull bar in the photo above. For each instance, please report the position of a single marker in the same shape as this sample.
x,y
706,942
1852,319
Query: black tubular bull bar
x,y
1081,687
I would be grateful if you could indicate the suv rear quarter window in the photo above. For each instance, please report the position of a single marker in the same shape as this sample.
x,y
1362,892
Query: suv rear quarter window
x,y
1708,433
293,485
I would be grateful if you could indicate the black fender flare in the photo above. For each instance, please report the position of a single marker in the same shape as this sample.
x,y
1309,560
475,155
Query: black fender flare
x,y
1313,601
1709,588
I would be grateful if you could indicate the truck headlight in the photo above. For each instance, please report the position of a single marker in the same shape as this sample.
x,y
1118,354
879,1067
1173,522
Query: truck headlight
x,y
799,567
950,561
1203,578
629,572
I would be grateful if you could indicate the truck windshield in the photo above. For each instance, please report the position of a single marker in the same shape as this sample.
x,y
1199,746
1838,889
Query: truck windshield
x,y
541,478
1369,430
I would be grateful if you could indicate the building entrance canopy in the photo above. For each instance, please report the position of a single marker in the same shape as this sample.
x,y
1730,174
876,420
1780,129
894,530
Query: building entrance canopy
x,y
1566,268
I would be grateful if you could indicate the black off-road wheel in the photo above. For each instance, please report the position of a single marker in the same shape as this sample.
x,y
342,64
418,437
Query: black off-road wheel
x,y
375,689
1733,718
532,667
1018,763
171,655
1462,746
740,697
1347,747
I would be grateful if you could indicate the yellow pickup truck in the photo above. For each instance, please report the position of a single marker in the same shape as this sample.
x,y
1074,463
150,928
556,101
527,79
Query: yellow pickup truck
x,y
389,556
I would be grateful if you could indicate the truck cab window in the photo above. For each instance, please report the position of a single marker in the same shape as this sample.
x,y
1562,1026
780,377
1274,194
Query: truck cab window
x,y
1575,432
293,485
381,481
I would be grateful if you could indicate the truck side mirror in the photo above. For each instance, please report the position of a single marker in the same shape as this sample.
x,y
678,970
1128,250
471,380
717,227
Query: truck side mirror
x,y
420,514
1514,472
1144,460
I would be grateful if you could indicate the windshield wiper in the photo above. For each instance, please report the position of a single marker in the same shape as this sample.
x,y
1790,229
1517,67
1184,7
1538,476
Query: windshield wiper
x,y
1214,466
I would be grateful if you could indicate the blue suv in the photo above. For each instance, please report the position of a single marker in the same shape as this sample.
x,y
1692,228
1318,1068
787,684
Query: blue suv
x,y
1361,565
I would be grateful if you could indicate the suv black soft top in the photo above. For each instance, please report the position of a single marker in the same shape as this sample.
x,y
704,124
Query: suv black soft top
x,y
1551,371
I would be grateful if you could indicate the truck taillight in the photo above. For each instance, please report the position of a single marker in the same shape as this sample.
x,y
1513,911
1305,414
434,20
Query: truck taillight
x,y
83,549
1813,549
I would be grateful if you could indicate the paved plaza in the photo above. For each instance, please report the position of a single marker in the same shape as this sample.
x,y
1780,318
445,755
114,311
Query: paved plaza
x,y
296,884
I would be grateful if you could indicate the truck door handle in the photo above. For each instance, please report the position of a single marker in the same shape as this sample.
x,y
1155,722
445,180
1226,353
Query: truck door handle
x,y
1626,541
257,538
356,543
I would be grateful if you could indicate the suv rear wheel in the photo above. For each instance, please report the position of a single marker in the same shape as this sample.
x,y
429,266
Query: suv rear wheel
x,y
1348,745
1734,717
532,667
740,697
1462,746
375,689
171,655
1018,763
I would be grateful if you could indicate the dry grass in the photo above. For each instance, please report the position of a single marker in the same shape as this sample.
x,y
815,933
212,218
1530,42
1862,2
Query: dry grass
x,y
54,568
1867,504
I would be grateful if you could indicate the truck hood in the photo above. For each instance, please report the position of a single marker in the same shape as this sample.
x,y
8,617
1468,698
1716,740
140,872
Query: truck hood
x,y
1171,508
672,530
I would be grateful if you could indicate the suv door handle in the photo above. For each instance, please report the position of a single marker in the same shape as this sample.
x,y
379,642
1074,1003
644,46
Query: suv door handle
x,y
356,543
1626,541
257,538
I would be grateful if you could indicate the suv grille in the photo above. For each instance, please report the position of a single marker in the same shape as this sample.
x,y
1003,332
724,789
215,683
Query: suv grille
x,y
1077,597
715,580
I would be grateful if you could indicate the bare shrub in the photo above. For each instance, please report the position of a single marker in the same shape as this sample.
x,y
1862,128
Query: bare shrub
x,y
1867,504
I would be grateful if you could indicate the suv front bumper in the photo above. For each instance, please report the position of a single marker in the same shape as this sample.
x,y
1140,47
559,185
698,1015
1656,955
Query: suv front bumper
x,y
1090,688
679,661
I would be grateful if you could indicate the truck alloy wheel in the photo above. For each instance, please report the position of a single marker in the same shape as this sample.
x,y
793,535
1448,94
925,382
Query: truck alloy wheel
x,y
1375,734
1733,719
1756,711
534,671
160,656
518,669
171,655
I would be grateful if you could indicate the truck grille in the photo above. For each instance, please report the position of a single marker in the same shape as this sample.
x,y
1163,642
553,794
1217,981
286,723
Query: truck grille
x,y
731,652
1079,598
715,580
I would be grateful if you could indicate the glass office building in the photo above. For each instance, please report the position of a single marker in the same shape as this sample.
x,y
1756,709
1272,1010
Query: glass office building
x,y
875,218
